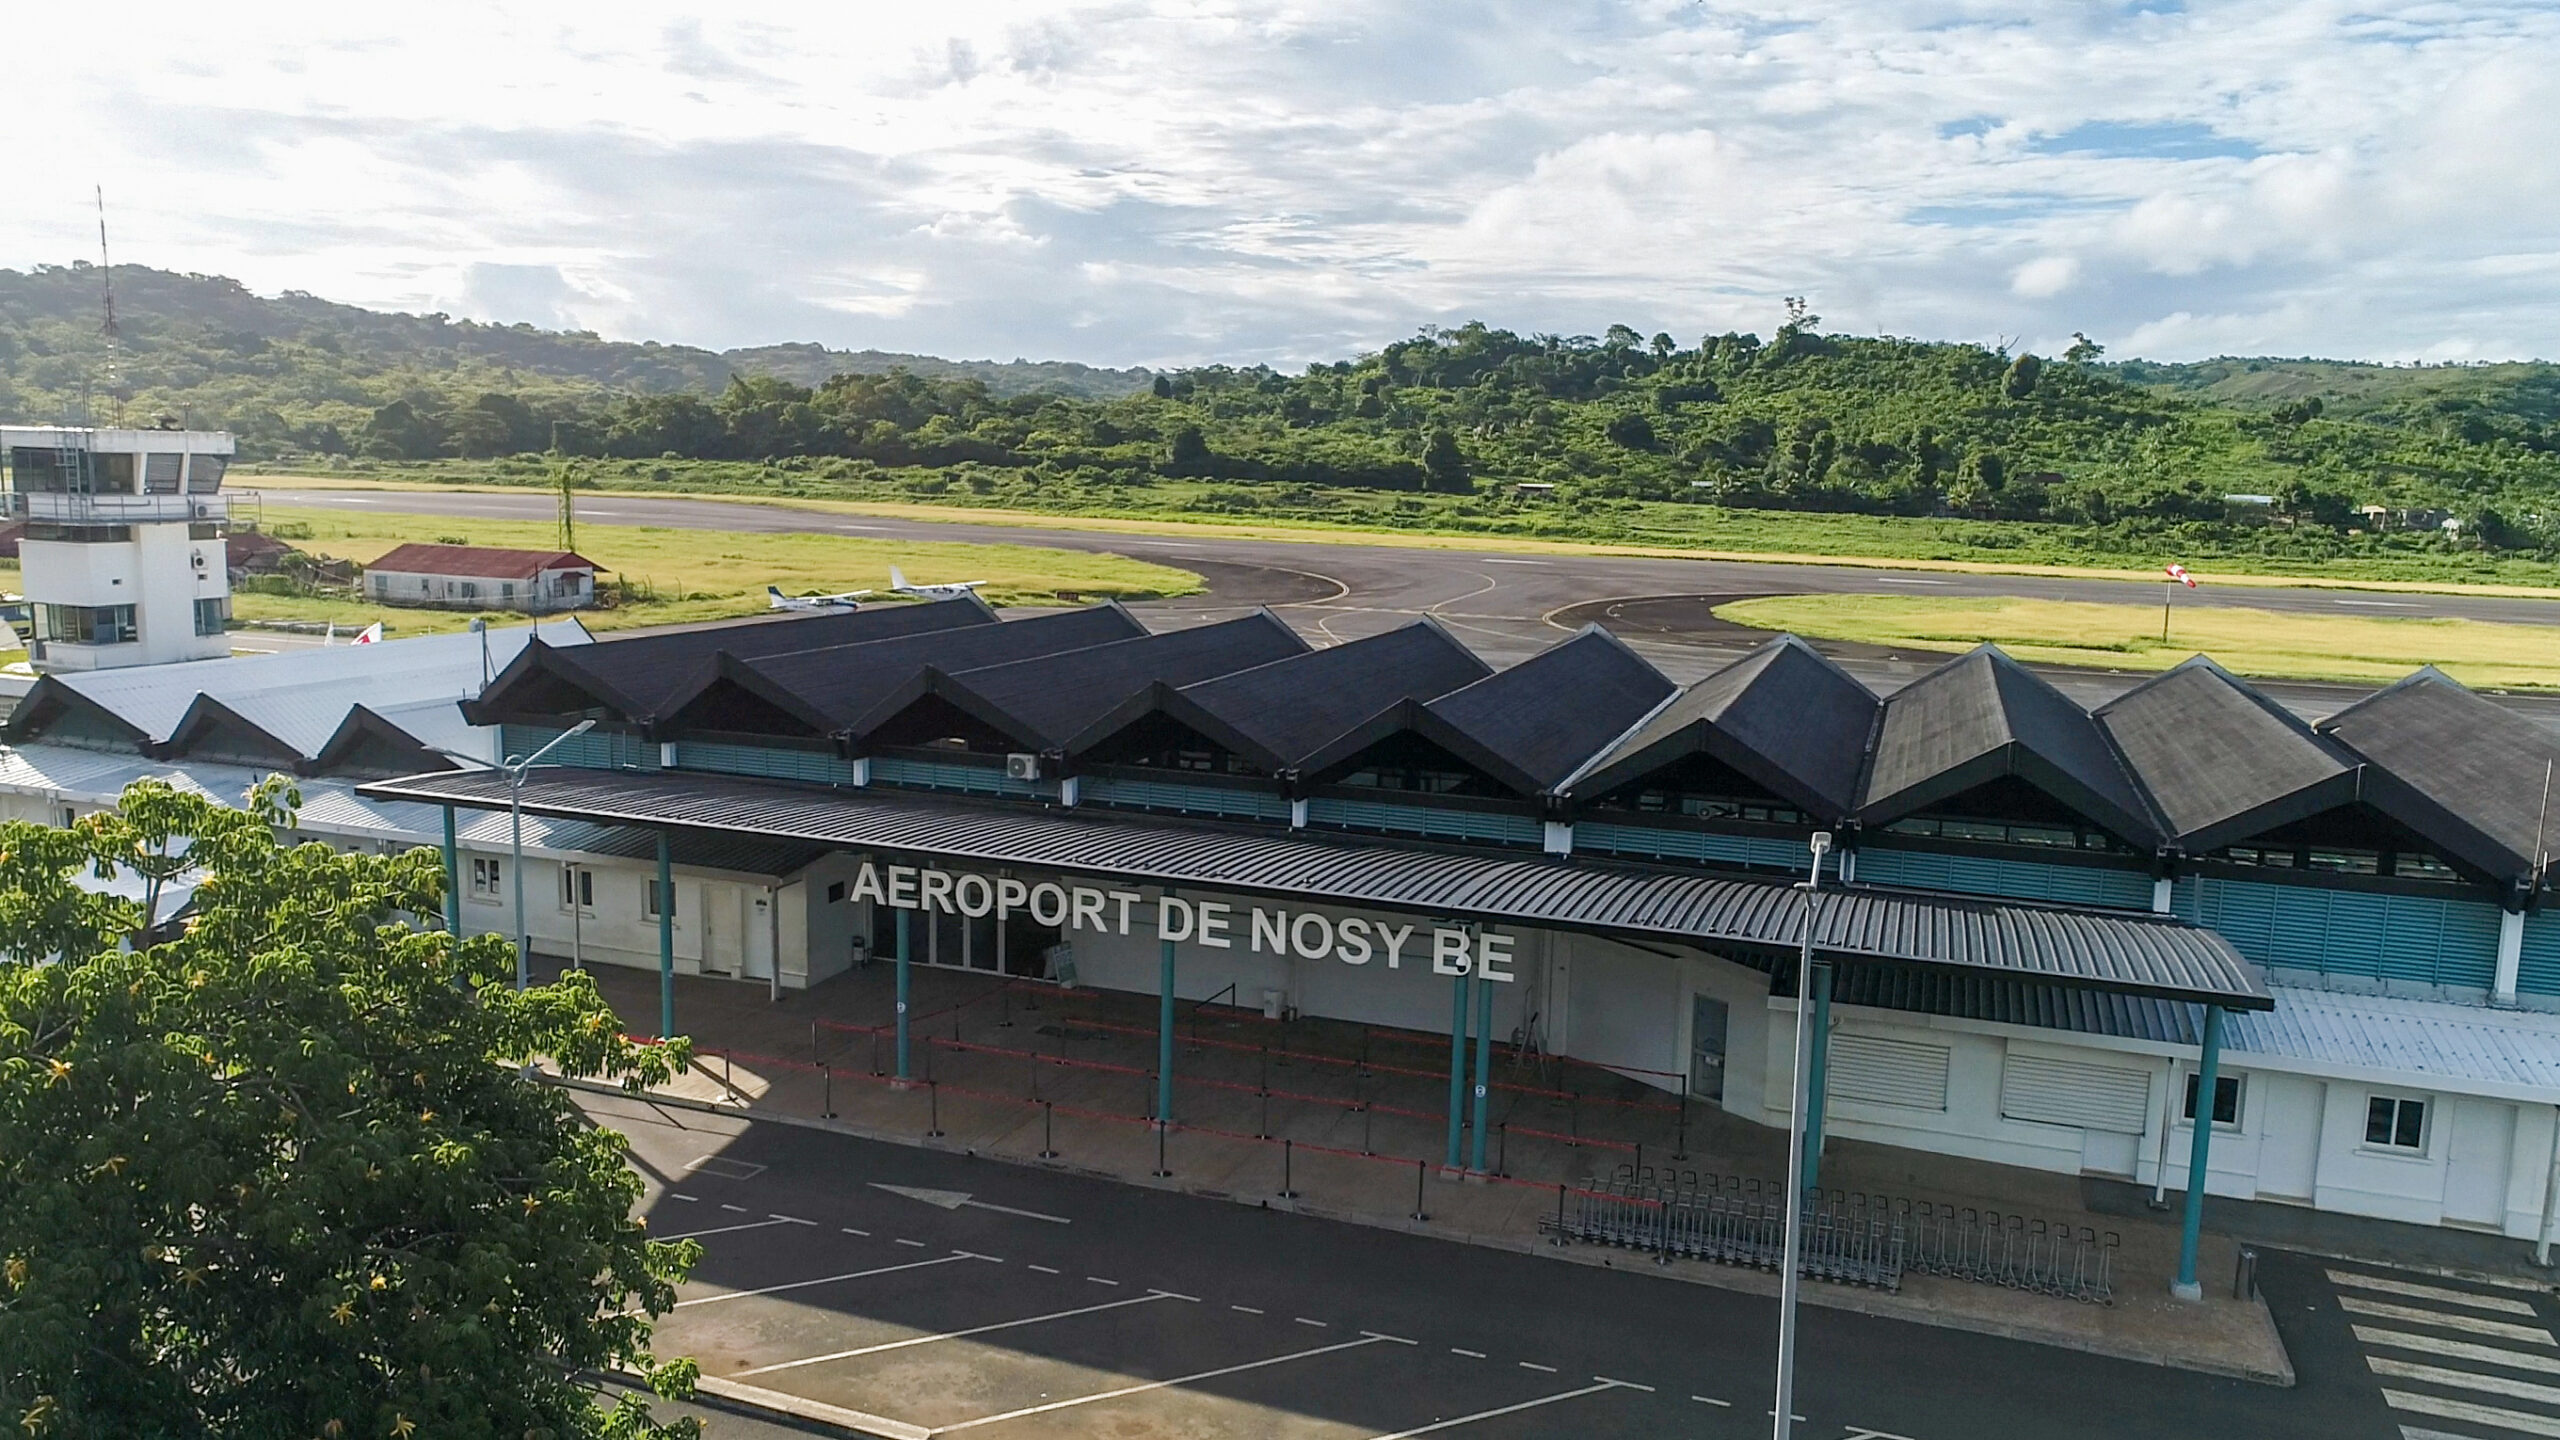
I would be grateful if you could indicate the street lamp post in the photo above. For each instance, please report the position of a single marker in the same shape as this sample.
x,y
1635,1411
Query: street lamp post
x,y
514,769
1788,1279
515,772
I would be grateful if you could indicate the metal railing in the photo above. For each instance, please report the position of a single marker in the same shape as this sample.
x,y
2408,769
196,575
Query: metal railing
x,y
73,508
1850,1237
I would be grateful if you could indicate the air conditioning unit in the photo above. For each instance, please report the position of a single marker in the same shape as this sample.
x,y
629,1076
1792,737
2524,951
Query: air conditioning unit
x,y
1021,767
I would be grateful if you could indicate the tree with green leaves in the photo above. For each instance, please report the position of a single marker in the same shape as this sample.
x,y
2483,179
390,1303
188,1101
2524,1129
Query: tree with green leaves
x,y
1445,463
282,1175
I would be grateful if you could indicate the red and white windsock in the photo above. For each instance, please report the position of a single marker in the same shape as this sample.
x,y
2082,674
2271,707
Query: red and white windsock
x,y
2179,574
372,634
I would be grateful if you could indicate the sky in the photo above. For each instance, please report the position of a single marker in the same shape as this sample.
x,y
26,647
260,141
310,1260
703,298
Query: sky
x,y
1184,181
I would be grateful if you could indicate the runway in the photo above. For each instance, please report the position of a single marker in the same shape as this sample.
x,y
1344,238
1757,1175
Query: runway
x,y
1506,607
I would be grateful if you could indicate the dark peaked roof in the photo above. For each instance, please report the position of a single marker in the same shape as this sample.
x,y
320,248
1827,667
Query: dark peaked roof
x,y
2220,761
1982,716
830,688
1048,700
1540,719
2481,766
635,676
1783,715
1275,715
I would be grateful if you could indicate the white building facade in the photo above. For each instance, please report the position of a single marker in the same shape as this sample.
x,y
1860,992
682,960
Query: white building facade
x,y
123,558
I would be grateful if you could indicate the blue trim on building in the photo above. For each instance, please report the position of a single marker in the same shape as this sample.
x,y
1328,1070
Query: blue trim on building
x,y
2017,879
2360,934
1667,843
1428,821
1174,796
816,767
598,749
913,774
2538,968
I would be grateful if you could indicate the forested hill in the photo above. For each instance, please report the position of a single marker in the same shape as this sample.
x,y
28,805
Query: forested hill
x,y
207,343
1577,427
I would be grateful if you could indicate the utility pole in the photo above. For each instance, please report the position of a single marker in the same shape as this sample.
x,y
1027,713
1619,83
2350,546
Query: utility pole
x,y
1789,1278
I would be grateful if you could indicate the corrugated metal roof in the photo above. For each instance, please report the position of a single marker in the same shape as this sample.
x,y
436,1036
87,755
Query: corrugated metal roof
x,y
1983,714
2139,955
2483,765
420,557
843,682
2006,1001
333,808
298,696
1286,709
2515,1053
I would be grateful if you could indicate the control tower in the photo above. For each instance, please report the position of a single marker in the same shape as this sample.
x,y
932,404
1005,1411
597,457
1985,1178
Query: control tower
x,y
123,553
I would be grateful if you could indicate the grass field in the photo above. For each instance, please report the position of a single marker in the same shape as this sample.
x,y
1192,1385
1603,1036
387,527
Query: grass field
x,y
1699,532
707,574
2127,637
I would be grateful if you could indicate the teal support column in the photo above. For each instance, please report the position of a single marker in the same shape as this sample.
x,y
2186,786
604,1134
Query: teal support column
x,y
906,950
1819,1064
1164,1032
1457,1071
2199,1158
1484,1069
452,879
666,939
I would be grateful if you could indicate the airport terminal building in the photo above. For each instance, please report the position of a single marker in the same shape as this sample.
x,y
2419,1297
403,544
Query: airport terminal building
x,y
2037,924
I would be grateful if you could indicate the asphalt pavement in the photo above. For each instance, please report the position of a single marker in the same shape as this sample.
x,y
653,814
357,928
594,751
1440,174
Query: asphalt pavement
x,y
1507,607
943,1293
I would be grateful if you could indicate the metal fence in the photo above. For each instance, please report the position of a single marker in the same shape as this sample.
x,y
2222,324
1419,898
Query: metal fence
x,y
1850,1237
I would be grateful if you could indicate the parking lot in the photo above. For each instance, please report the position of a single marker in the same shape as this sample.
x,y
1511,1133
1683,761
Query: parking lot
x,y
931,1315
911,1292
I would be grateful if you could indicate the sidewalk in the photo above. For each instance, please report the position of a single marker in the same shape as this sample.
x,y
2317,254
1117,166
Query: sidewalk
x,y
1353,1121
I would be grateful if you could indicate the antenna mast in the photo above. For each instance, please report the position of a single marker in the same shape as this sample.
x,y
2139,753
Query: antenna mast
x,y
107,273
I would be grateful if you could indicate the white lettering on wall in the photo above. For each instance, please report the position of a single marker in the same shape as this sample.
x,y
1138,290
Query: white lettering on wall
x,y
1306,934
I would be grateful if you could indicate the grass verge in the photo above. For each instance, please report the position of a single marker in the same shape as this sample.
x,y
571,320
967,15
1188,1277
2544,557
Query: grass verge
x,y
707,574
2127,637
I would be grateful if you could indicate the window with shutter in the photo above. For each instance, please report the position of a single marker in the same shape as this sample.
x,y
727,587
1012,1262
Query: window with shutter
x,y
2064,1092
1888,1072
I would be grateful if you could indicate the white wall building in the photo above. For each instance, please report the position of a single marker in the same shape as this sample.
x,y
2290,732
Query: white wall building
x,y
123,555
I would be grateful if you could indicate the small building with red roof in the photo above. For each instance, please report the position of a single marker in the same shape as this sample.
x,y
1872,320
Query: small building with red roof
x,y
479,577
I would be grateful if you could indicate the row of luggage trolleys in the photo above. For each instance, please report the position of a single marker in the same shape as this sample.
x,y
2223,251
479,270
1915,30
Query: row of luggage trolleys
x,y
1850,1237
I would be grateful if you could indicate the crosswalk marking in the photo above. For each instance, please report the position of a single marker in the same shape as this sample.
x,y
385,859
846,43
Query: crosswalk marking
x,y
2375,1309
2458,1350
2438,1293
2465,1380
2464,1410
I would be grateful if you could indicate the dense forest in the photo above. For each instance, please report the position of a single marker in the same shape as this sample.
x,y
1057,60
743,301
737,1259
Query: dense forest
x,y
2294,458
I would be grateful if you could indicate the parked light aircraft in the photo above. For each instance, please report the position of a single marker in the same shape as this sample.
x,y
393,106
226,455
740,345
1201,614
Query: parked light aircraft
x,y
776,600
948,590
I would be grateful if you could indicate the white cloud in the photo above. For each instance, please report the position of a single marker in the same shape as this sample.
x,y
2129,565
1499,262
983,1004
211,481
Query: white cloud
x,y
1167,180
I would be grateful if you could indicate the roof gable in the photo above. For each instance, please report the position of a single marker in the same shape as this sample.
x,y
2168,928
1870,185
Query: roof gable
x,y
1784,716
2469,774
1541,719
1276,714
213,730
840,685
1983,716
2218,760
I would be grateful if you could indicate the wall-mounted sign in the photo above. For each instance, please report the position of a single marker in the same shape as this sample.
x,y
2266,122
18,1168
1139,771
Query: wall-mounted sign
x,y
1213,924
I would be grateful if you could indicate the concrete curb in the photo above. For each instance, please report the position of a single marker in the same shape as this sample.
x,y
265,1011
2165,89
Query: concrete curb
x,y
1752,1282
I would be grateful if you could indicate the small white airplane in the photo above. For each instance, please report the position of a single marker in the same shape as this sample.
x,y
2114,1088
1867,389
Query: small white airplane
x,y
774,599
948,590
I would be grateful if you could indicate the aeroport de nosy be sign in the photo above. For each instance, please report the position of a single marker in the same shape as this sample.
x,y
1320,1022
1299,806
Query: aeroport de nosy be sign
x,y
1307,934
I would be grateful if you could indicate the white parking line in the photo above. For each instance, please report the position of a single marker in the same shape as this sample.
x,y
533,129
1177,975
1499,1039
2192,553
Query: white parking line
x,y
849,1230
1470,1354
1452,1424
1624,1384
2458,1350
719,1230
2379,604
1244,1309
2528,1334
1047,1269
1162,1384
788,1219
741,1209
831,1279
2475,1414
918,1244
1711,1400
1098,1280
1149,1298
2437,1293
1550,1369
1303,1320
2465,1380
672,1195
